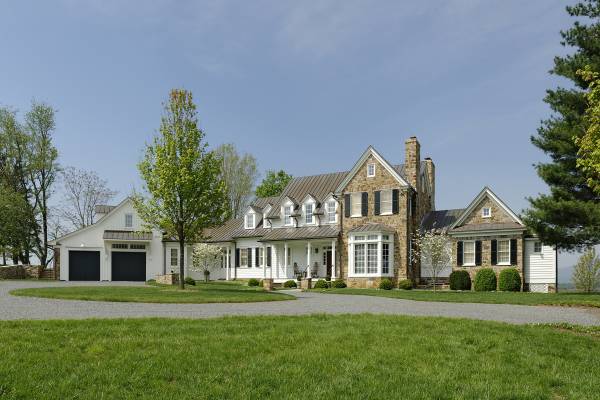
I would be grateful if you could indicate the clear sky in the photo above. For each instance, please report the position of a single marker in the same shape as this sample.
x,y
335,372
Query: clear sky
x,y
303,86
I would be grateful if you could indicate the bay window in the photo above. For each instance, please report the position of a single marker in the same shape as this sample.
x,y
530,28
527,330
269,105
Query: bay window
x,y
370,254
469,253
504,252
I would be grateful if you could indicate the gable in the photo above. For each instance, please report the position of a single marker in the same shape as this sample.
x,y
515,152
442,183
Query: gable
x,y
500,212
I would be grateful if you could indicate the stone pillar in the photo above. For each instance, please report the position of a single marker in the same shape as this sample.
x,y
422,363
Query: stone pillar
x,y
431,177
57,263
333,277
268,284
308,254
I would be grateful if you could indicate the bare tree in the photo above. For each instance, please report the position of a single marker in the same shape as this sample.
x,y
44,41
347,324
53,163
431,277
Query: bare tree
x,y
239,174
586,275
83,191
435,252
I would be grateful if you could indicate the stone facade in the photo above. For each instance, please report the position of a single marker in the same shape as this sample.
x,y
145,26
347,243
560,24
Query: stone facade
x,y
167,279
498,214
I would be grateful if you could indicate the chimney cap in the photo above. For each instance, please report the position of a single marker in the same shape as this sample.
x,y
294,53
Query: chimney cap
x,y
428,158
413,137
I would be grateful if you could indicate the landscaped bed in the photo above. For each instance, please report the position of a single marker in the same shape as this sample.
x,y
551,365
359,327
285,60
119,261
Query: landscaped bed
x,y
217,292
555,299
318,357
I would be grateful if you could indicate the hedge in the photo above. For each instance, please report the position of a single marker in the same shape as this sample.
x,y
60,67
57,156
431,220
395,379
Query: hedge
x,y
485,280
509,280
460,280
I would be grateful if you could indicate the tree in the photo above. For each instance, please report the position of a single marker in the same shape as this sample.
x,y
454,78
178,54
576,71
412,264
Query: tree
x,y
185,192
205,257
14,225
273,184
589,143
239,174
82,192
435,252
586,275
569,216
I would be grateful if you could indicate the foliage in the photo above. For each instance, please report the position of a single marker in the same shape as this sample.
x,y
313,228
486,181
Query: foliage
x,y
586,275
589,143
185,192
239,173
509,280
206,257
406,284
485,280
435,252
338,284
569,216
321,284
290,284
386,284
253,282
460,280
273,184
190,281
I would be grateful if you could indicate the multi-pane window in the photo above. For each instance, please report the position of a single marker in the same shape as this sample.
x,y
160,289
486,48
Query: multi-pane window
x,y
138,247
174,257
356,204
128,220
120,246
371,170
244,257
537,247
289,256
330,208
385,201
287,215
486,212
359,258
261,256
250,221
372,258
308,213
371,254
385,258
469,253
504,251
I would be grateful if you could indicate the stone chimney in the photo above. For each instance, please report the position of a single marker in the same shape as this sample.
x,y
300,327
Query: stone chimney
x,y
431,177
412,162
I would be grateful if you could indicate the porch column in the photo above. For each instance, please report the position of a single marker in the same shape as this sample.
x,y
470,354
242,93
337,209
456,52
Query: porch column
x,y
264,261
333,260
274,262
309,252
285,257
227,249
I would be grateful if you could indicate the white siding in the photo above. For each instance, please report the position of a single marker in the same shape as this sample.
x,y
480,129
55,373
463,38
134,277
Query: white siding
x,y
540,268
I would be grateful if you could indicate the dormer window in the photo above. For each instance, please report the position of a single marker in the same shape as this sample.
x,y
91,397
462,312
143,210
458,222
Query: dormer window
x,y
128,220
330,207
308,213
249,221
370,170
486,212
287,215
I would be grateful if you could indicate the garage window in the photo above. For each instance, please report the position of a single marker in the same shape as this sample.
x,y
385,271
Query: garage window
x,y
120,246
138,247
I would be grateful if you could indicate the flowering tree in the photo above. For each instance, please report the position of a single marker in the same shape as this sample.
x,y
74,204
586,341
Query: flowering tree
x,y
586,275
435,251
206,257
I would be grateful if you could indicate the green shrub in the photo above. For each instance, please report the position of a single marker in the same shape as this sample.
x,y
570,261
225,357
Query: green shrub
x,y
253,282
290,284
509,280
460,280
405,284
338,284
321,284
386,284
485,280
189,281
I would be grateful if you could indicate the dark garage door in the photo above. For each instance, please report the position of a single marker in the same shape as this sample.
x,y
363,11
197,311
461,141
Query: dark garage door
x,y
128,266
84,265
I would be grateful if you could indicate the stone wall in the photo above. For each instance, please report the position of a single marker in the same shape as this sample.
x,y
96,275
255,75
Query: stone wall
x,y
498,214
24,272
167,279
364,283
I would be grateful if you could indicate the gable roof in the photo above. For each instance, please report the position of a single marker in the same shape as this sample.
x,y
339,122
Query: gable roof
x,y
486,191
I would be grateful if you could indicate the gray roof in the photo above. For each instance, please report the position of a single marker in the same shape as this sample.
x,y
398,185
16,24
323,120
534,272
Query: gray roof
x,y
489,227
373,227
103,209
305,232
126,235
223,233
249,233
441,219
262,202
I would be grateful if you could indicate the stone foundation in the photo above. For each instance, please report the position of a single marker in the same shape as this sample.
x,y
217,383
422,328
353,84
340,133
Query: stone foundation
x,y
168,279
306,283
364,283
267,284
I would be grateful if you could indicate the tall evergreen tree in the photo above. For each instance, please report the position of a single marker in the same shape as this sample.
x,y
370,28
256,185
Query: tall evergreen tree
x,y
569,216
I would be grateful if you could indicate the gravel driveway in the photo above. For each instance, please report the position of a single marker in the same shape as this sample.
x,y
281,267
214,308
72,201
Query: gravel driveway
x,y
16,307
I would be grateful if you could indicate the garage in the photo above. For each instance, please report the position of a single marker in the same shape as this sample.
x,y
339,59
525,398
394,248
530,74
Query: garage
x,y
84,265
128,266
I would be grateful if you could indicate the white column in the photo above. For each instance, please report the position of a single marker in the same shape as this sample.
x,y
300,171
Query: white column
x,y
379,256
285,258
227,263
264,261
333,260
274,261
308,254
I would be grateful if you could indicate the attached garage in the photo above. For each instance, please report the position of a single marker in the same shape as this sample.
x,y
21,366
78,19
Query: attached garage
x,y
128,266
84,265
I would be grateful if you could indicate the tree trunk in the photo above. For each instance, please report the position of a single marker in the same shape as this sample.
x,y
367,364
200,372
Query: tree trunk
x,y
181,261
4,258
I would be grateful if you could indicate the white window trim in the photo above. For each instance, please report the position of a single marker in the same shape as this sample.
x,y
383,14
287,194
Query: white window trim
x,y
498,251
171,257
465,264
541,247
371,175
247,225
489,215
128,215
313,219
379,241
283,214
243,251
335,206
391,202
352,195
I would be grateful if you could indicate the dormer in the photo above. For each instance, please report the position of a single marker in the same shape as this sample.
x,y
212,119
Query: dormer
x,y
329,210
266,211
309,204
288,211
252,217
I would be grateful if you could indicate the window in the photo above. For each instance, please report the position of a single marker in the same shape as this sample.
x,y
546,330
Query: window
x,y
355,204
308,213
385,258
287,215
504,252
330,208
370,170
486,212
138,247
261,256
266,222
372,255
469,253
120,246
250,221
174,257
289,257
385,201
243,257
128,220
372,258
359,258
537,247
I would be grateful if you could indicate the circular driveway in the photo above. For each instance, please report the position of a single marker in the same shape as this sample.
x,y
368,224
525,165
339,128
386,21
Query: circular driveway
x,y
18,307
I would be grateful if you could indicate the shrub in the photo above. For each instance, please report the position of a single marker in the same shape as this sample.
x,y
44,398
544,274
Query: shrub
x,y
460,280
386,284
321,284
290,284
338,284
485,280
253,282
405,284
189,281
509,280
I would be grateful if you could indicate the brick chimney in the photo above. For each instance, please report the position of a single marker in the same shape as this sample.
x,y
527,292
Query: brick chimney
x,y
431,177
412,161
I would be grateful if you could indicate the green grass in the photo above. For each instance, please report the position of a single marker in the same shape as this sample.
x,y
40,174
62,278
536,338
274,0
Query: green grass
x,y
317,357
217,292
570,299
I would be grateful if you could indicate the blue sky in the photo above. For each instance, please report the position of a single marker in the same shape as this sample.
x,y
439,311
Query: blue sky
x,y
303,86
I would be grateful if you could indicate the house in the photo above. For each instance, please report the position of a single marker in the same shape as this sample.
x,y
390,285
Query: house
x,y
355,225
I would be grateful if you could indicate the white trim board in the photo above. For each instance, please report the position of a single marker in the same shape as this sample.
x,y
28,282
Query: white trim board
x,y
485,192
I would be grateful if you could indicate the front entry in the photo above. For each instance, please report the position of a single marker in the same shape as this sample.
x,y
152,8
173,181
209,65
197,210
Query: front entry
x,y
328,256
128,266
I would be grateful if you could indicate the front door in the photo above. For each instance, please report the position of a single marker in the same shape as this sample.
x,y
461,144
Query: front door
x,y
328,261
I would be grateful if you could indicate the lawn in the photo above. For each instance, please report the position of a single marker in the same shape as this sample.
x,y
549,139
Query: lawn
x,y
318,357
214,292
571,299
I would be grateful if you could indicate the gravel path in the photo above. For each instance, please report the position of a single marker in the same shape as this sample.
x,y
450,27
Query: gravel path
x,y
16,307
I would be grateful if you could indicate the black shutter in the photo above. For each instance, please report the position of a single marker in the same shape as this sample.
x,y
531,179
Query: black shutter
x,y
249,250
494,252
395,201
459,253
256,259
478,252
347,205
268,256
237,258
364,203
377,203
513,251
